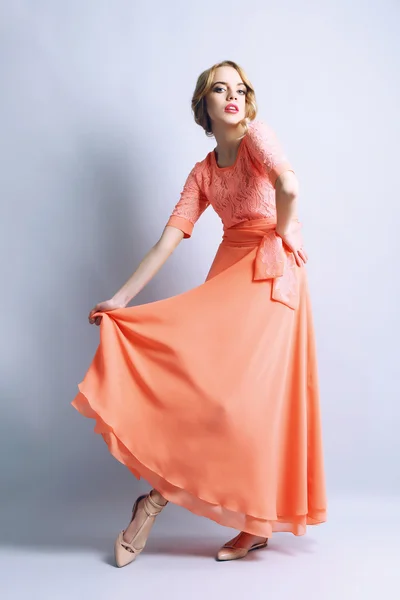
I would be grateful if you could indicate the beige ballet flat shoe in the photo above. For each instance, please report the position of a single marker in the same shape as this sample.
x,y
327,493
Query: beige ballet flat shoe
x,y
125,552
232,550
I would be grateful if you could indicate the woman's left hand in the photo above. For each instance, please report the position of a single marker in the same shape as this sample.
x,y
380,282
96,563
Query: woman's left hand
x,y
292,238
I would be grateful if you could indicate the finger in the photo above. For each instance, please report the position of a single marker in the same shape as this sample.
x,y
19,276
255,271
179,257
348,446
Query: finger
x,y
304,253
303,256
98,320
91,317
297,257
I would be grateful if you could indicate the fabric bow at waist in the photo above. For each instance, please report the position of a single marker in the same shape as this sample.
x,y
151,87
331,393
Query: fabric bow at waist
x,y
273,260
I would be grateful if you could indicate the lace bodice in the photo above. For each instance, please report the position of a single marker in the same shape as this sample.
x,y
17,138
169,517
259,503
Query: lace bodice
x,y
240,192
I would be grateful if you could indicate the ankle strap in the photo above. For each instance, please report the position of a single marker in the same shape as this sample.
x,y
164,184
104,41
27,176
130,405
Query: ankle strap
x,y
152,507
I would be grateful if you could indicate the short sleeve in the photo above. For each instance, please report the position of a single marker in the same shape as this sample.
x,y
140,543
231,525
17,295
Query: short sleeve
x,y
192,203
266,149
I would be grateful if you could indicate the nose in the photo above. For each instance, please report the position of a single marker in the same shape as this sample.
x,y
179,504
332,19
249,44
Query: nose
x,y
232,96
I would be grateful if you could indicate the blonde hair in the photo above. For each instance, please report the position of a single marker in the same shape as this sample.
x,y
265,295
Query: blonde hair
x,y
204,85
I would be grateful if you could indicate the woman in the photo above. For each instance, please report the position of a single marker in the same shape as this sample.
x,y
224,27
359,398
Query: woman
x,y
212,395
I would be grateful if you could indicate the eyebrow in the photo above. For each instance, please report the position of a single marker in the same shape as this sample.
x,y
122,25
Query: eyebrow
x,y
224,82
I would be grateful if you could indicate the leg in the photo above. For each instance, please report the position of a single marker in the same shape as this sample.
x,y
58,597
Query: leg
x,y
140,516
131,541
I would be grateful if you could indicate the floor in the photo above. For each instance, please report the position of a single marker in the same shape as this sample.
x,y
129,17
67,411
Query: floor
x,y
67,552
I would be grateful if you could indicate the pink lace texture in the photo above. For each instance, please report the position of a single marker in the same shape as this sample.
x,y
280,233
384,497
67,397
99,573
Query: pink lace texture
x,y
240,192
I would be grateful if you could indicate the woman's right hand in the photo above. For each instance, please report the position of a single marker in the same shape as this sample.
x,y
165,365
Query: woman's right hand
x,y
103,307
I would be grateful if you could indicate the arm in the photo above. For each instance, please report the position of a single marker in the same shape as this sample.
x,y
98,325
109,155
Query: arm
x,y
149,266
286,192
192,202
267,151
269,154
187,211
180,225
287,225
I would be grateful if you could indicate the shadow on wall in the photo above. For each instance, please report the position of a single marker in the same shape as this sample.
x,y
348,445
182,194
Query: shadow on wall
x,y
91,240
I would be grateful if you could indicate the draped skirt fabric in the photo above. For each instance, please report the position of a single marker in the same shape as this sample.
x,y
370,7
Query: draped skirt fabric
x,y
212,395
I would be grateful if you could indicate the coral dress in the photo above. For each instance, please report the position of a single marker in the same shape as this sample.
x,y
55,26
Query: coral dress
x,y
212,395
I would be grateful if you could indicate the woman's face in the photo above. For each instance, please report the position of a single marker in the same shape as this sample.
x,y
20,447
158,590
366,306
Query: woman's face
x,y
227,89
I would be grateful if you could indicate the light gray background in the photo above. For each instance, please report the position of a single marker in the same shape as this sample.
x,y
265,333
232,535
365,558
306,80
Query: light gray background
x,y
97,139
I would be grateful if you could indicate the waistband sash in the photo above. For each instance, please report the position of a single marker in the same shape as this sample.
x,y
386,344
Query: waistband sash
x,y
273,260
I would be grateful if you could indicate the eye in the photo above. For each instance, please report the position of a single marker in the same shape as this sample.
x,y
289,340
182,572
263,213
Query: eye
x,y
219,88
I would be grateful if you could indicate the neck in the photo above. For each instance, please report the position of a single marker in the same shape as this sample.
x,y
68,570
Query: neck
x,y
228,140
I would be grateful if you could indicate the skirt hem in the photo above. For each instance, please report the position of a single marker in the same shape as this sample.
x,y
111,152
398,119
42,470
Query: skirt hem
x,y
219,512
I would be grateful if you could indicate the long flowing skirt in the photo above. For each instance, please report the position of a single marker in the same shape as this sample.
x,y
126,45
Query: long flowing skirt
x,y
212,395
